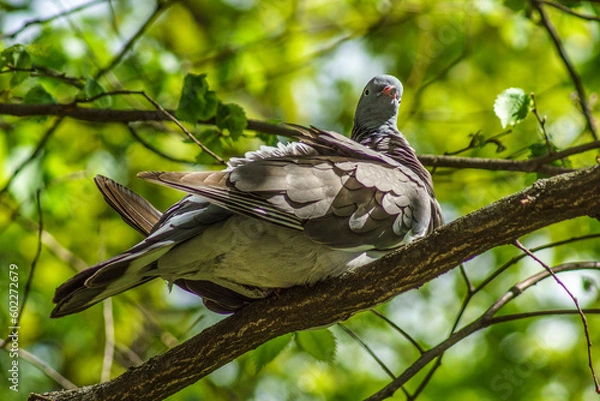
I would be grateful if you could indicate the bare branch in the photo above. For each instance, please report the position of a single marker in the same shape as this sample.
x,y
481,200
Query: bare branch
x,y
369,350
38,21
576,302
399,330
153,149
43,366
40,146
36,257
160,7
538,164
587,111
485,320
109,342
546,202
180,125
39,71
569,11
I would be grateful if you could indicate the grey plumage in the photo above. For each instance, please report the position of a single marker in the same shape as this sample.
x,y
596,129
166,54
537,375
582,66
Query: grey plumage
x,y
280,216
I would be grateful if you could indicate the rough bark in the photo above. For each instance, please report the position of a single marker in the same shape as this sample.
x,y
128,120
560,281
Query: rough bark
x,y
546,202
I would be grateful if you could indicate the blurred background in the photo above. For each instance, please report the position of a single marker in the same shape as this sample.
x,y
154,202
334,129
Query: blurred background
x,y
303,62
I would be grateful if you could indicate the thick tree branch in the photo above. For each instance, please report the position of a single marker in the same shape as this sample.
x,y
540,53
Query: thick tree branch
x,y
546,202
539,164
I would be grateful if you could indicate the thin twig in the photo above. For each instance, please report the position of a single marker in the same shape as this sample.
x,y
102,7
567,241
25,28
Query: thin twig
x,y
36,257
180,125
39,71
399,330
51,244
160,7
154,150
514,260
39,21
368,349
165,112
542,122
518,244
38,149
459,315
587,111
109,341
569,11
44,367
485,320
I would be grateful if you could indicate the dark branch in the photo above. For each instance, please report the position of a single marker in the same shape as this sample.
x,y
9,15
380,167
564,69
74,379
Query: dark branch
x,y
37,21
160,7
546,202
587,111
539,165
569,11
486,320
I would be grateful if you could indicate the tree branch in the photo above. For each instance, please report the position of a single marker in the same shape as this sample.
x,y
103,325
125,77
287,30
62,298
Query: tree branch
x,y
585,106
538,164
546,202
569,11
485,320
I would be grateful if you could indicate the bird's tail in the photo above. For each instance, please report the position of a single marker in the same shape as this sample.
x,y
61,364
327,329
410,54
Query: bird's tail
x,y
118,274
81,291
111,277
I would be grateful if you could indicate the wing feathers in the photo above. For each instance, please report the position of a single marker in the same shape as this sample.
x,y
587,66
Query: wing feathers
x,y
343,204
133,209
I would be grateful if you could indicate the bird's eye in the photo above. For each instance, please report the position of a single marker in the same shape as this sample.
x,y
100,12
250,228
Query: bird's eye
x,y
367,91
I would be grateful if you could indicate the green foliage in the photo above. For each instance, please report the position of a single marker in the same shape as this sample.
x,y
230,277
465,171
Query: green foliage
x,y
17,57
233,118
38,95
197,102
92,89
512,106
267,352
320,344
305,63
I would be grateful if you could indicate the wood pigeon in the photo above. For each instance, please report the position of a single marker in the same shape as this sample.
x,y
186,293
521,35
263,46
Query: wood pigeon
x,y
278,217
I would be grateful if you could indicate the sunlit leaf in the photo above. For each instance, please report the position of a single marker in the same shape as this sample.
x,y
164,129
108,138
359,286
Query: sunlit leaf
x,y
197,102
320,344
512,106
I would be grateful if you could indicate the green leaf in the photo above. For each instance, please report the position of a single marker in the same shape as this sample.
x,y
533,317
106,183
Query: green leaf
x,y
38,95
516,5
512,106
320,344
232,118
93,88
17,57
197,102
269,351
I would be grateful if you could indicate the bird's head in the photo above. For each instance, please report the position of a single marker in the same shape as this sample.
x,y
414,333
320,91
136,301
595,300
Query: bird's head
x,y
379,102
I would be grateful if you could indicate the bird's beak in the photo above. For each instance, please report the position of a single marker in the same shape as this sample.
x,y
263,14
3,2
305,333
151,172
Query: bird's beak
x,y
390,91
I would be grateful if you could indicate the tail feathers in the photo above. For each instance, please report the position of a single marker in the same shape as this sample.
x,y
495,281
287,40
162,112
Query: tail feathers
x,y
133,209
106,279
82,297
